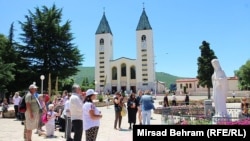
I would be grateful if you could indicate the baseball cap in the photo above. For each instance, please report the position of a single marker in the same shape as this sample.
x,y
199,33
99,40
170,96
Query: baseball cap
x,y
33,86
90,92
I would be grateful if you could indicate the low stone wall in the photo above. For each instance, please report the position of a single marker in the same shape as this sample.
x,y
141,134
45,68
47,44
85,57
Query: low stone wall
x,y
9,114
180,110
102,104
181,103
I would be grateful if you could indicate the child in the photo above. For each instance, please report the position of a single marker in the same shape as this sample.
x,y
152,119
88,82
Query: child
x,y
50,125
5,107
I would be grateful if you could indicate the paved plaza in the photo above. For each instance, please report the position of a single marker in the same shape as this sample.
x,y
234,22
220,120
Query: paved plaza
x,y
12,130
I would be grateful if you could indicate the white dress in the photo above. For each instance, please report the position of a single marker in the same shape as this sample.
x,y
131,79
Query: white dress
x,y
220,90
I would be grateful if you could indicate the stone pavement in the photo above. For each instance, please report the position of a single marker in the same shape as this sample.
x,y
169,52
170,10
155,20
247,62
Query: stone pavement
x,y
12,130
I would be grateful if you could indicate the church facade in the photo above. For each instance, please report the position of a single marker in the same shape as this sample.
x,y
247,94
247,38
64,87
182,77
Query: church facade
x,y
125,74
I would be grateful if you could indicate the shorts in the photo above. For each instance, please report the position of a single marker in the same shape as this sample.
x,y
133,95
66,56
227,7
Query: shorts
x,y
32,123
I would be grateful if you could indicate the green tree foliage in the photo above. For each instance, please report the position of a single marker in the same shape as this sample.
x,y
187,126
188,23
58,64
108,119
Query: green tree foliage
x,y
6,68
244,74
85,81
48,44
67,84
21,71
205,68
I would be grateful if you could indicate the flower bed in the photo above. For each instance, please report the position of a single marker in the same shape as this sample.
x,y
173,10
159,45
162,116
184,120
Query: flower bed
x,y
181,110
201,120
245,121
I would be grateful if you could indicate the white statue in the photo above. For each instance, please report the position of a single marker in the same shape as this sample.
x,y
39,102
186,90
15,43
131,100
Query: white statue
x,y
220,89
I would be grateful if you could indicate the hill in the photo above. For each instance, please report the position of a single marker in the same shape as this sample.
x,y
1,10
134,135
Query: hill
x,y
89,72
84,72
167,78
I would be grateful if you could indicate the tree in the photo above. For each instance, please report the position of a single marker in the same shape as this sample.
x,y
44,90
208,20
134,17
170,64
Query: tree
x,y
67,84
48,44
244,74
205,68
6,69
172,88
21,71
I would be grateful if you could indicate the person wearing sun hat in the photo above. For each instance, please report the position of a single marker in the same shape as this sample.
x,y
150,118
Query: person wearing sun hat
x,y
32,112
91,116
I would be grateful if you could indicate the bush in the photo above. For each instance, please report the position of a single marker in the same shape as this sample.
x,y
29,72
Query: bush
x,y
100,98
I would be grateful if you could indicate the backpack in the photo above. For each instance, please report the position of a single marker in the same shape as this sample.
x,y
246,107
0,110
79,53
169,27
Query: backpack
x,y
22,105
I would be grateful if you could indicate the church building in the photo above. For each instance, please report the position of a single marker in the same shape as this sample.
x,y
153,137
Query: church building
x,y
124,74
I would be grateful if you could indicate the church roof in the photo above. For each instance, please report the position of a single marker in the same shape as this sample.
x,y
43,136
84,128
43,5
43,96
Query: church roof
x,y
143,22
103,26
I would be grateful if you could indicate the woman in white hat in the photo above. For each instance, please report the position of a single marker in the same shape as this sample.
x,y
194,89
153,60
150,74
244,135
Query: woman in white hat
x,y
91,116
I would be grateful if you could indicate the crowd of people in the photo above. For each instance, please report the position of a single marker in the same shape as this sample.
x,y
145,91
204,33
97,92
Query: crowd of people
x,y
76,112
65,110
139,106
72,111
62,111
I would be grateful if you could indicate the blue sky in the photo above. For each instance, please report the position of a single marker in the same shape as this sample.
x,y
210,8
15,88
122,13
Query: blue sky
x,y
179,27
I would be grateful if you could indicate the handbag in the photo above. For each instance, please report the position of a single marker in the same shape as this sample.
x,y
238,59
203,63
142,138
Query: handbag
x,y
44,118
118,109
124,111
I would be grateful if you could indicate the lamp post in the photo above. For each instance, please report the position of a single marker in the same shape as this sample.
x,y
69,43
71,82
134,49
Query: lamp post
x,y
155,87
42,77
96,88
155,77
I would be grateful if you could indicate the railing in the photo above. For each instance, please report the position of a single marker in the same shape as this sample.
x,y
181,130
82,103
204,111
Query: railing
x,y
195,115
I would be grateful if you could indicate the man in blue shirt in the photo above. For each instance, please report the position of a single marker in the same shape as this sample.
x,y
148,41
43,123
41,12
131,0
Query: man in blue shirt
x,y
147,104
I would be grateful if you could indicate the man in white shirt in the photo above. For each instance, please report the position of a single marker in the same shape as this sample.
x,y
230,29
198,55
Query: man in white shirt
x,y
75,107
66,114
16,101
233,94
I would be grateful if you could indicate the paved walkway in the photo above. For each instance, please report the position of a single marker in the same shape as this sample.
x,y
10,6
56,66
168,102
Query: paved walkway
x,y
12,130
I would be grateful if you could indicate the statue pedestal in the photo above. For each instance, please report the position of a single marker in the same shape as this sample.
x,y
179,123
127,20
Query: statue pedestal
x,y
220,119
208,108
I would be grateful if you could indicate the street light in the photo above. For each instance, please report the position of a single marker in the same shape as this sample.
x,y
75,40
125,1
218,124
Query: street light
x,y
155,77
155,87
96,88
42,77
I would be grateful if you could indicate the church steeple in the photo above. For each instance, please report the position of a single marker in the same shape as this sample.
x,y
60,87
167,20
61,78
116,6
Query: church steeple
x,y
143,22
103,26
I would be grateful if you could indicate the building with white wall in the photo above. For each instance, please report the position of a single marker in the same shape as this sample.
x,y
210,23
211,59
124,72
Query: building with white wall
x,y
193,88
124,74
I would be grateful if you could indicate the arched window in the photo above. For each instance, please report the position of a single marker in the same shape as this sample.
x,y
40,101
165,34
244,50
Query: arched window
x,y
190,85
143,38
102,42
123,70
114,73
132,72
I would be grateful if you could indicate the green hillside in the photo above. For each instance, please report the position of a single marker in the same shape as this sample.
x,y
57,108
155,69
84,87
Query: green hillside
x,y
167,78
84,72
89,72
